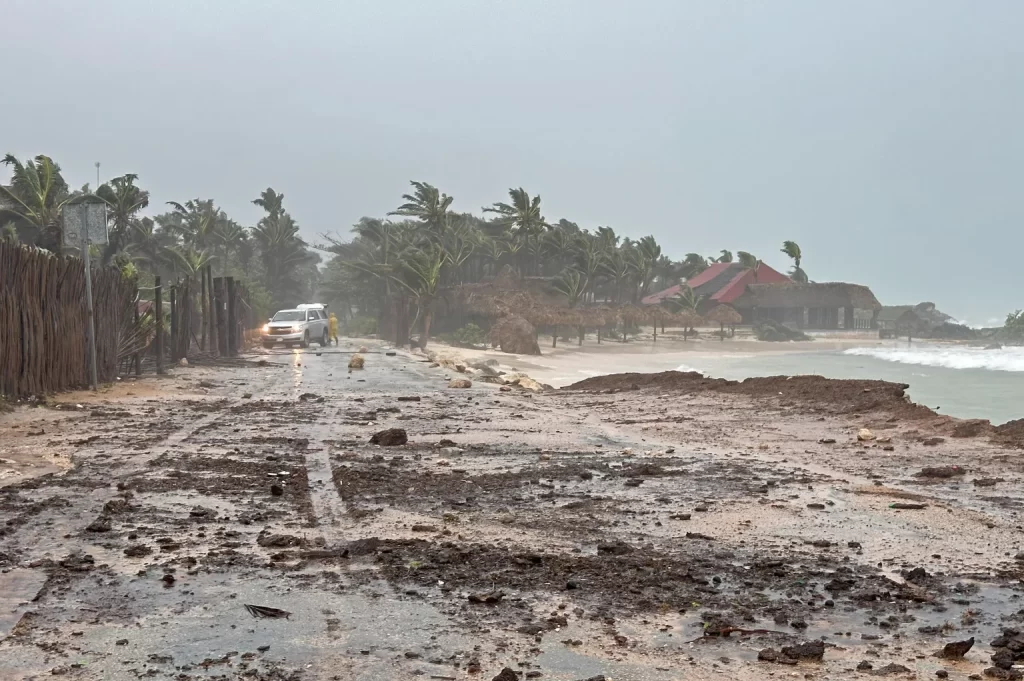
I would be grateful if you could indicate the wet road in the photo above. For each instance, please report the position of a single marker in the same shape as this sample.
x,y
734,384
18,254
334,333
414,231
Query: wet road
x,y
613,544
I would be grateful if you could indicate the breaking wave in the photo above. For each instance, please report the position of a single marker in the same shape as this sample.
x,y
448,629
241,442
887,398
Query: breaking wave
x,y
1003,359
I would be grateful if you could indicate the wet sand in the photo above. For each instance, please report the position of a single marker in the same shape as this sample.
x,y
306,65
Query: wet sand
x,y
569,362
567,533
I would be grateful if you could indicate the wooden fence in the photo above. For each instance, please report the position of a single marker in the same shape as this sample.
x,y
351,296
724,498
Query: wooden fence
x,y
43,344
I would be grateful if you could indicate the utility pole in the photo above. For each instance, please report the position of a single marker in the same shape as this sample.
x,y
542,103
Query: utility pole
x,y
84,224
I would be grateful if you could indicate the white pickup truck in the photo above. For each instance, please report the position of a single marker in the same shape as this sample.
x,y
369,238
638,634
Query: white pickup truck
x,y
301,326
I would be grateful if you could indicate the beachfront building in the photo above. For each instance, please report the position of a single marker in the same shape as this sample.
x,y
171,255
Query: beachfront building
x,y
720,284
827,306
899,320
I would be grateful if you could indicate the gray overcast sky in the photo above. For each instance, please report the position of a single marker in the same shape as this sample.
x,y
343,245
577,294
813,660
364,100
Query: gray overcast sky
x,y
884,137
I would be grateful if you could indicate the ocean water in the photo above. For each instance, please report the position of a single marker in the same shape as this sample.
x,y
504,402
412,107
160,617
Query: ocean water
x,y
958,381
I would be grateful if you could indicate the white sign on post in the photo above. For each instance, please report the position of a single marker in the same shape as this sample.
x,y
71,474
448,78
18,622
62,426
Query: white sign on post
x,y
82,219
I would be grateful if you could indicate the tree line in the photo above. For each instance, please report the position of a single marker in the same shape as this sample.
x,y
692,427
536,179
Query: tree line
x,y
396,267
189,239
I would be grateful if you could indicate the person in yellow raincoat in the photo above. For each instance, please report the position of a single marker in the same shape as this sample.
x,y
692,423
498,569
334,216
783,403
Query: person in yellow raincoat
x,y
332,332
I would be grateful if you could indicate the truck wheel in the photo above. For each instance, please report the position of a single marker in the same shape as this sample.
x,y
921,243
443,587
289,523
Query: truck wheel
x,y
267,345
324,342
305,340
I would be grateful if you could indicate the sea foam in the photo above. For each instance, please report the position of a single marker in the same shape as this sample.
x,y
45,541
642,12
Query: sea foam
x,y
1003,359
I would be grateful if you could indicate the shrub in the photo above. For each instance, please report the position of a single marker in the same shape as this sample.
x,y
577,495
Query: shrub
x,y
469,335
360,325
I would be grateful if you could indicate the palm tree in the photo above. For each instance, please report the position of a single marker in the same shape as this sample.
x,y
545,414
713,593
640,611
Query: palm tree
x,y
608,237
749,262
149,244
282,251
589,260
460,241
195,221
124,201
561,242
35,198
692,265
620,267
724,256
791,249
373,259
687,303
666,272
573,285
522,217
228,237
647,254
272,202
427,205
421,276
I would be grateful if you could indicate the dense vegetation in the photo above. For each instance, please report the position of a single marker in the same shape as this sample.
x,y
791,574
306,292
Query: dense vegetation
x,y
270,258
395,268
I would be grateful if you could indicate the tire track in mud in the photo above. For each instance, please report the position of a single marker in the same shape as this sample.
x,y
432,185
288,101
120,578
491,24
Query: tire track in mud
x,y
328,508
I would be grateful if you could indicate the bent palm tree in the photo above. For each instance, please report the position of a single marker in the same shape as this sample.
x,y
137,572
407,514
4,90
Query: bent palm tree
x,y
522,217
749,262
791,249
429,206
36,198
124,201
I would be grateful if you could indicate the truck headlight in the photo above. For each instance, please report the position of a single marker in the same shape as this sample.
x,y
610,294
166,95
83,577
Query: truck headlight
x,y
266,328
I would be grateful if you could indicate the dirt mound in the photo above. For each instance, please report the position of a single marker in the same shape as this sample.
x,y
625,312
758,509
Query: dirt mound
x,y
824,394
515,335
1010,434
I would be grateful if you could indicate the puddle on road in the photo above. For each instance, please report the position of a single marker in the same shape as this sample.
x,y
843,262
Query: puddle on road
x,y
18,588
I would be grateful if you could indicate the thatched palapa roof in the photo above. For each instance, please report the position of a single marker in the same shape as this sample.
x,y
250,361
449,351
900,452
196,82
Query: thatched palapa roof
x,y
808,295
724,314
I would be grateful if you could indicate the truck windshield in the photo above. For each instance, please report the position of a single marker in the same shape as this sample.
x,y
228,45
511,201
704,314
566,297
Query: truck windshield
x,y
290,316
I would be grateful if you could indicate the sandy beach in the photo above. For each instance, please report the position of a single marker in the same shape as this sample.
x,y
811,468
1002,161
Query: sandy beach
x,y
570,362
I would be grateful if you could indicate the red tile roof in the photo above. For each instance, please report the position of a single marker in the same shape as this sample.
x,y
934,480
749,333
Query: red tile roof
x,y
735,288
661,296
731,287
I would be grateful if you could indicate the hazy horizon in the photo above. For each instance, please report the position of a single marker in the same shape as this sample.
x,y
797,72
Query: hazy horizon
x,y
883,137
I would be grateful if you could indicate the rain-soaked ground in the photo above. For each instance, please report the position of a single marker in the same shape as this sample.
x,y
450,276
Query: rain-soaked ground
x,y
639,535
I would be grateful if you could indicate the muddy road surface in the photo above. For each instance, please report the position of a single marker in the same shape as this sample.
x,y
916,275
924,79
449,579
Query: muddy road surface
x,y
236,522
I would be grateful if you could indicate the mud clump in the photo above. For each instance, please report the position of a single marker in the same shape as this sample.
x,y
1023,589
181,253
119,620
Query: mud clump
x,y
460,383
356,362
811,650
277,541
891,669
1009,649
101,524
956,649
392,437
137,551
941,472
819,394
